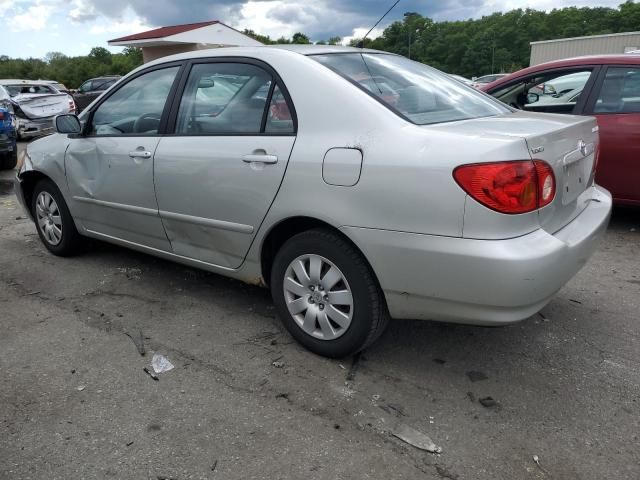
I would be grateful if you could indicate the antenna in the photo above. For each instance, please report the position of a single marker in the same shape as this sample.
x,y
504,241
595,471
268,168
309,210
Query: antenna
x,y
361,43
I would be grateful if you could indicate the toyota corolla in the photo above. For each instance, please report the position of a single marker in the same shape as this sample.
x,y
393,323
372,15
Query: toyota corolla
x,y
292,167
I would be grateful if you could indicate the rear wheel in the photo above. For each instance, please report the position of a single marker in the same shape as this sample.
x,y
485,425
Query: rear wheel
x,y
9,160
327,295
53,220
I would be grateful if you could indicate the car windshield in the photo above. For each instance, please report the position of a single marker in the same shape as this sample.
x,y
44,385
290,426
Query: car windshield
x,y
415,91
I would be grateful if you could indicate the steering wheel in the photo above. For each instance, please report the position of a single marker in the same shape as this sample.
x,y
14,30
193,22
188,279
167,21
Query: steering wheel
x,y
139,124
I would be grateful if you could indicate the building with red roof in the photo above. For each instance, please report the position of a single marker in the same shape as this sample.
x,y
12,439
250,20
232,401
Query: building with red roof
x,y
164,41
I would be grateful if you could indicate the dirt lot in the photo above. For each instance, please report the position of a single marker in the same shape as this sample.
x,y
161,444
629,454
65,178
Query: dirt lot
x,y
75,402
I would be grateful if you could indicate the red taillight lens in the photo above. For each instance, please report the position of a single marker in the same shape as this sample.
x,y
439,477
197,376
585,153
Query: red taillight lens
x,y
1,115
509,187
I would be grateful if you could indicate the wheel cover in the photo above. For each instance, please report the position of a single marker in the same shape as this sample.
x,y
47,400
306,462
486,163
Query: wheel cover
x,y
49,220
318,297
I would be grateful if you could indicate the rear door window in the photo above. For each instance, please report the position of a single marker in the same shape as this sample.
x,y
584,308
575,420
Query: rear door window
x,y
226,99
620,91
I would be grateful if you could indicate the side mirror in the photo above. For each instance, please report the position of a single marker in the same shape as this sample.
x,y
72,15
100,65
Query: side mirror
x,y
532,97
68,124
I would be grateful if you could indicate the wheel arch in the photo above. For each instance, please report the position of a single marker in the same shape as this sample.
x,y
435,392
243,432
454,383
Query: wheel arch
x,y
28,181
282,231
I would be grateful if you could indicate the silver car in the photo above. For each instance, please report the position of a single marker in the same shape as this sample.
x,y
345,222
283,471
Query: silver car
x,y
287,167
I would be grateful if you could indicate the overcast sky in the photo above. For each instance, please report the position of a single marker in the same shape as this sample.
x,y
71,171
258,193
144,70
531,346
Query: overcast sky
x,y
72,27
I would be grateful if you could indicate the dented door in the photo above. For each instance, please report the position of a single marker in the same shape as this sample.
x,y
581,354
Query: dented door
x,y
111,183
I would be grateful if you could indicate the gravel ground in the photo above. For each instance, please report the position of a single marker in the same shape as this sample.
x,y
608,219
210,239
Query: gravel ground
x,y
564,385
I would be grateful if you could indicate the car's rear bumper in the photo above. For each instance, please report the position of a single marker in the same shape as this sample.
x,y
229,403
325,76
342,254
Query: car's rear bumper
x,y
7,142
484,282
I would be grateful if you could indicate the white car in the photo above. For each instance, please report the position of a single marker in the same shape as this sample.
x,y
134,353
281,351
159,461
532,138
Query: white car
x,y
34,104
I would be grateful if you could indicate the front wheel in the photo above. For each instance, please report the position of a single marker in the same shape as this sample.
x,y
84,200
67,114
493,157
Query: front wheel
x,y
53,220
326,294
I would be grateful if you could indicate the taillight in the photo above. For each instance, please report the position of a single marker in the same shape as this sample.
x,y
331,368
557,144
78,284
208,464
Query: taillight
x,y
2,116
72,106
519,186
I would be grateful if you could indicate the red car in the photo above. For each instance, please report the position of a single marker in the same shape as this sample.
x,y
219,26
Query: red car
x,y
604,86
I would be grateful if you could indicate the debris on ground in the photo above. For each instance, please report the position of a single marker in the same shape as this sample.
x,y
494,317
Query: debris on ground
x,y
476,376
414,437
214,466
81,388
277,364
151,374
129,444
132,273
575,301
138,341
160,363
489,402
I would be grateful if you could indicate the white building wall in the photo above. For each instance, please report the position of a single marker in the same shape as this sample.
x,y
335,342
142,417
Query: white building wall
x,y
548,50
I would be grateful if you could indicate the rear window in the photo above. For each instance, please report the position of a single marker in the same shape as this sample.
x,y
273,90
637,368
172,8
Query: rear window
x,y
414,91
22,89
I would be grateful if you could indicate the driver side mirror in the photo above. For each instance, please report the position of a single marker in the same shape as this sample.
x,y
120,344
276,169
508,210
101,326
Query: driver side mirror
x,y
68,124
532,97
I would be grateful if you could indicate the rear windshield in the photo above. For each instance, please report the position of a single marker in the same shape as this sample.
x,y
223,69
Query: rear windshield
x,y
21,89
414,91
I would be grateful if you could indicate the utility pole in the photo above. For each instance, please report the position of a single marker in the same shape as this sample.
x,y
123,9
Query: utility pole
x,y
407,15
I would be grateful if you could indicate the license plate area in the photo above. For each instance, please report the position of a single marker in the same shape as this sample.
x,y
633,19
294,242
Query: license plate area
x,y
576,177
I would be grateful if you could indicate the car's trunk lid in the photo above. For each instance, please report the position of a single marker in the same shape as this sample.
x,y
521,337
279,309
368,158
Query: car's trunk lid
x,y
566,142
42,105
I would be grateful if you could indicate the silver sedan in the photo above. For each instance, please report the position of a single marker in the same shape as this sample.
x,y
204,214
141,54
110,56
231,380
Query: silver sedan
x,y
358,185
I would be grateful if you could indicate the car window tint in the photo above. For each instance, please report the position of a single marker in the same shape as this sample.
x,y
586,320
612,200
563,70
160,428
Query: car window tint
x,y
279,119
419,93
223,98
546,91
86,86
620,92
137,106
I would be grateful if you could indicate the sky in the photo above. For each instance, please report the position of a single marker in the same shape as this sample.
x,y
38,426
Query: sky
x,y
32,28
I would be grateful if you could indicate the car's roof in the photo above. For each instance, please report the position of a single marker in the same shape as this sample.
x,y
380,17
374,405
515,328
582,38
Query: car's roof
x,y
256,50
620,59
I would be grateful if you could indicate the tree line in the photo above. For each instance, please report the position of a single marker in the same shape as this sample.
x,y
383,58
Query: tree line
x,y
491,44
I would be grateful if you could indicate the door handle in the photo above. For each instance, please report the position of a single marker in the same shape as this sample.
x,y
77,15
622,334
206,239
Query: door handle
x,y
260,158
140,154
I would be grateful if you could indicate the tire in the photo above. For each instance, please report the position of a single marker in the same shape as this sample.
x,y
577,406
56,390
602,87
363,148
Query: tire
x,y
9,160
65,243
322,319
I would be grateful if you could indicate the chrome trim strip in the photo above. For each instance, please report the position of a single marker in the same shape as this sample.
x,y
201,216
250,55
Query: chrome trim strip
x,y
118,206
207,222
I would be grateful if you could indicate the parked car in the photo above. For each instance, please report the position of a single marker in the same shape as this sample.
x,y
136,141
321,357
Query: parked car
x,y
433,207
34,104
478,82
608,88
8,148
92,89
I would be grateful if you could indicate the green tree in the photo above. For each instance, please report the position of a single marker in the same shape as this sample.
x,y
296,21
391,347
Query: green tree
x,y
300,38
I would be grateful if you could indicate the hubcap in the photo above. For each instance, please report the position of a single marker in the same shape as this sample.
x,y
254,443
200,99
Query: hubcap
x,y
318,297
49,220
